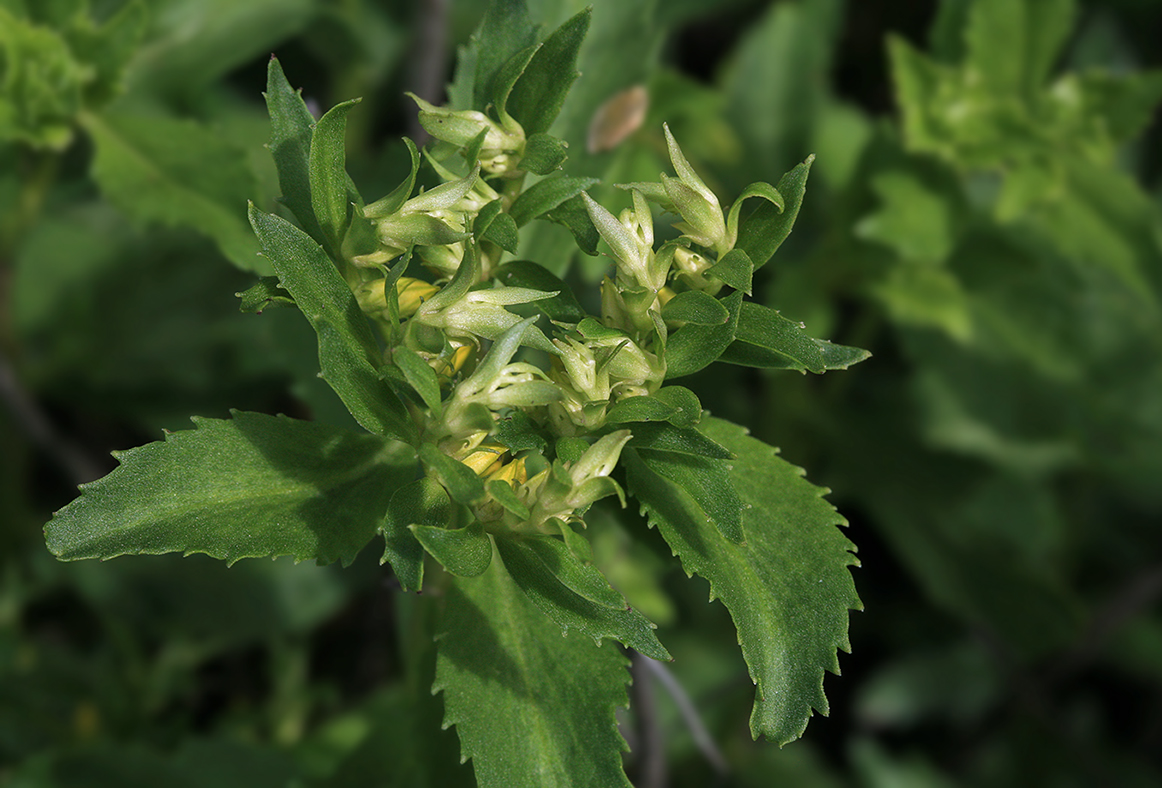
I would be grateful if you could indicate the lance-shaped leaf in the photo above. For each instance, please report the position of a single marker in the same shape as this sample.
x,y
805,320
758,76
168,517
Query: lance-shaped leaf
x,y
545,195
693,346
346,345
511,688
581,578
422,502
458,479
694,306
328,172
291,126
574,217
386,206
253,485
760,189
562,307
763,230
492,224
677,440
420,376
674,404
571,610
767,339
465,552
734,269
787,587
537,97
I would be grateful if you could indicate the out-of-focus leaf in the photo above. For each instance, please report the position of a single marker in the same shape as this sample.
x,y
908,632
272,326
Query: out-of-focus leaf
x,y
154,169
250,486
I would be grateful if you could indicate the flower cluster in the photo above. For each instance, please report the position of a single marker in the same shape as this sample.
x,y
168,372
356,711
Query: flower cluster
x,y
490,367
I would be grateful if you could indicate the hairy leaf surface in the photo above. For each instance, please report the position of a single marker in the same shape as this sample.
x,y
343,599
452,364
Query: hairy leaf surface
x,y
532,708
787,587
249,486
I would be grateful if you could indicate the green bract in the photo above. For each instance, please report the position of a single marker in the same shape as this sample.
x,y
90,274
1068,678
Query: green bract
x,y
498,412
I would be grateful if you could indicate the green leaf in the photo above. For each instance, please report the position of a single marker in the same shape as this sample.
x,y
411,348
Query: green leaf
x,y
503,232
562,307
643,408
518,433
763,230
767,339
708,494
507,76
291,127
155,169
676,440
537,97
503,494
694,306
346,345
510,687
688,409
787,587
546,195
386,206
421,377
266,293
572,611
735,269
458,479
1011,47
583,579
693,347
760,189
505,30
250,486
573,216
543,154
422,502
465,552
328,174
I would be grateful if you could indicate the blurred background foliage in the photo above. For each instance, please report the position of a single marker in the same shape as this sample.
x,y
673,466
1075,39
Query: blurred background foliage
x,y
984,214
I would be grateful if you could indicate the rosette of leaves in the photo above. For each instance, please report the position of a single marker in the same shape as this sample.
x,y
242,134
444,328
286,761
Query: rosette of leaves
x,y
488,435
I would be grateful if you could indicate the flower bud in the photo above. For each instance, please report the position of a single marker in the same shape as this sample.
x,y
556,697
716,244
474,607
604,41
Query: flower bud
x,y
503,143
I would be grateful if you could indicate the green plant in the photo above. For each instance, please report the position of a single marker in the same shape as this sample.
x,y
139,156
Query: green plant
x,y
489,438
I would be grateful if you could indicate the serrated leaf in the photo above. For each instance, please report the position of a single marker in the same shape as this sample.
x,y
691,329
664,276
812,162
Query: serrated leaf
x,y
572,611
328,173
694,306
562,307
543,154
708,494
767,339
677,440
264,294
537,97
422,502
420,376
787,587
346,345
693,347
465,552
250,486
545,195
510,687
735,269
154,168
762,231
458,479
